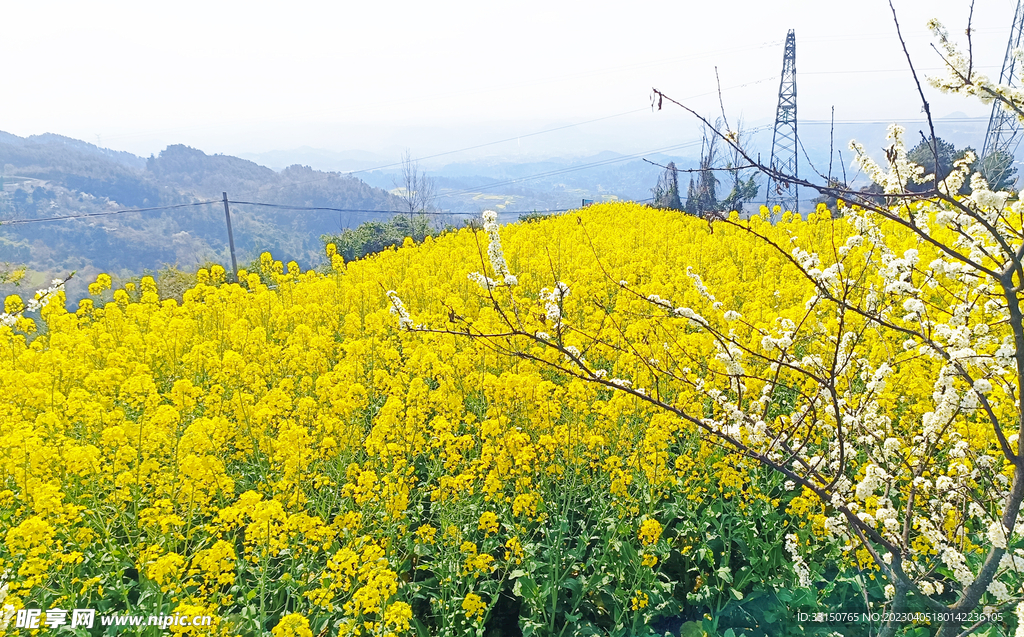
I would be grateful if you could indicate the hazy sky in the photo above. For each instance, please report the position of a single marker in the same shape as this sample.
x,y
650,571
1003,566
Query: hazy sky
x,y
237,77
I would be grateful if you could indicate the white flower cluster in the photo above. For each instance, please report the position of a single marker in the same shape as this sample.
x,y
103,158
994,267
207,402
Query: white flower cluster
x,y
495,255
997,534
955,561
947,401
494,251
901,169
915,309
999,591
1012,561
687,313
701,288
799,565
398,308
782,342
959,68
808,261
874,477
897,272
731,356
553,299
41,299
657,300
1004,356
853,241
483,281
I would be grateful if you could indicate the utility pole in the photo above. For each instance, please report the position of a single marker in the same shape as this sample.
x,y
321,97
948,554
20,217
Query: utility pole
x,y
780,192
231,237
1004,130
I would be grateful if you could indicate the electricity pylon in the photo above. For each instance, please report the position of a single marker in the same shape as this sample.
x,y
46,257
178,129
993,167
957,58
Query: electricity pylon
x,y
1004,129
782,193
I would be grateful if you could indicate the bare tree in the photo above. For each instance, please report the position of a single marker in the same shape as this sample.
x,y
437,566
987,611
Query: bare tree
x,y
416,190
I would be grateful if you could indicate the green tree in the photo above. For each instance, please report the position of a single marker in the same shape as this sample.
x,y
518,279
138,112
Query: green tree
x,y
998,170
924,154
666,192
743,190
376,236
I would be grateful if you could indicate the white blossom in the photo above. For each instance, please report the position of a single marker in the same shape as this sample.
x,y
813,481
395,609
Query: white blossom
x,y
398,308
495,255
997,534
799,565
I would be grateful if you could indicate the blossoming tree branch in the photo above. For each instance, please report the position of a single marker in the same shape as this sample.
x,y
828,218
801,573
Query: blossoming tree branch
x,y
926,486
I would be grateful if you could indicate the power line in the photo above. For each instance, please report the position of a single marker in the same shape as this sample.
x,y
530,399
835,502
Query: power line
x,y
265,205
500,141
895,120
360,210
451,152
373,211
438,213
873,71
562,171
335,174
16,222
497,87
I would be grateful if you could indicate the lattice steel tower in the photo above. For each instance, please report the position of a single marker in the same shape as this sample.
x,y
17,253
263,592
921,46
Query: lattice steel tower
x,y
780,192
1004,129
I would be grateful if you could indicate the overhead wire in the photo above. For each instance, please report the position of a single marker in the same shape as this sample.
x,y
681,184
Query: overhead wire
x,y
604,162
497,87
106,213
505,140
14,222
509,181
500,141
431,213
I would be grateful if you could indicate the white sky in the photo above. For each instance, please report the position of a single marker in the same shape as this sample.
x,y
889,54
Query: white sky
x,y
246,77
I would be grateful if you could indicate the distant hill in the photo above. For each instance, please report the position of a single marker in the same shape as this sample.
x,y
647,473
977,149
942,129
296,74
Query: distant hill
x,y
46,176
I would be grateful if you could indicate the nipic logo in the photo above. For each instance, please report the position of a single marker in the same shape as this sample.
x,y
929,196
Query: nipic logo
x,y
32,618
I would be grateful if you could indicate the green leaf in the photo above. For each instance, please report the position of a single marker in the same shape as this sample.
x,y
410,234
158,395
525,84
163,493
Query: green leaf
x,y
691,629
575,586
421,628
528,587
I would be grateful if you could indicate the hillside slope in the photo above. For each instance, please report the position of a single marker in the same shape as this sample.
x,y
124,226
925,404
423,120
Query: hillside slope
x,y
47,176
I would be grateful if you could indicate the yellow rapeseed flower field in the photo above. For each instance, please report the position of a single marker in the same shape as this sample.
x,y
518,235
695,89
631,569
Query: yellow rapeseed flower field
x,y
280,455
